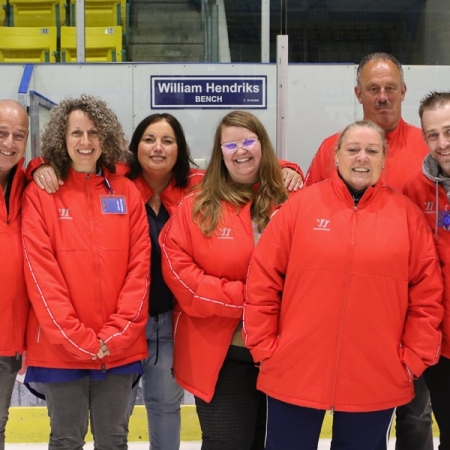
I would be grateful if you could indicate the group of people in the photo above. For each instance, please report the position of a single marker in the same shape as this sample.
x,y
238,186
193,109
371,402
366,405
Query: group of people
x,y
270,303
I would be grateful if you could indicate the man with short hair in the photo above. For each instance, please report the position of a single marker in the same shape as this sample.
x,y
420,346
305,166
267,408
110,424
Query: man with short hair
x,y
14,302
429,188
381,89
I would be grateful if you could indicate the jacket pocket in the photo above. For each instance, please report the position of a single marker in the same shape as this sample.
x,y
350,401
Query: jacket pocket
x,y
408,372
406,369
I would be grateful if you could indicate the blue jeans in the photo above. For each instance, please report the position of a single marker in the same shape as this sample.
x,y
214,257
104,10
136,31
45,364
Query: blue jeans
x,y
292,427
9,366
162,394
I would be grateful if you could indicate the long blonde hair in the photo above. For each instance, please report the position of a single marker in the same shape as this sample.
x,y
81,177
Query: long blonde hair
x,y
217,185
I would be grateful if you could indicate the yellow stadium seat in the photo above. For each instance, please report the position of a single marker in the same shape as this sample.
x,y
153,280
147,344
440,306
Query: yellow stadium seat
x,y
103,44
27,44
98,13
36,13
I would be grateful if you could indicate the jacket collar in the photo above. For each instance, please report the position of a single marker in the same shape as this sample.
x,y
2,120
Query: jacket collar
x,y
145,190
79,180
341,191
396,136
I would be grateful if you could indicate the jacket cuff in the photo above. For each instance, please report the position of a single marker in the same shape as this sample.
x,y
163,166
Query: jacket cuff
x,y
413,362
34,164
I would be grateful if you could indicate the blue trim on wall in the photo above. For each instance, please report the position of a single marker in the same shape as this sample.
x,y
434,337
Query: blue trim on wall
x,y
26,78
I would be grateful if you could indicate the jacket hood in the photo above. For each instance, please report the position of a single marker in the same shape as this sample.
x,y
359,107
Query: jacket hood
x,y
432,171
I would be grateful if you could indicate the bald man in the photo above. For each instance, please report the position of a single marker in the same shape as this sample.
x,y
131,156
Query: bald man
x,y
13,297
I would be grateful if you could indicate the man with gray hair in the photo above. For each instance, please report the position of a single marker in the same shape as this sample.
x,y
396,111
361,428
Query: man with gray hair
x,y
380,89
14,302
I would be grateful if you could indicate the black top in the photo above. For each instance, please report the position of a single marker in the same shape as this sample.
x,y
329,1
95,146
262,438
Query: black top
x,y
8,187
160,296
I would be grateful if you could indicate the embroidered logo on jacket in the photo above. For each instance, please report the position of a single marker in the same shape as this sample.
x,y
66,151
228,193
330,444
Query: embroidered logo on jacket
x,y
64,214
322,225
428,207
225,233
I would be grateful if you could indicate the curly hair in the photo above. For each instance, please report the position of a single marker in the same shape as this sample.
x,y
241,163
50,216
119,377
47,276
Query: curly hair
x,y
112,138
181,168
217,185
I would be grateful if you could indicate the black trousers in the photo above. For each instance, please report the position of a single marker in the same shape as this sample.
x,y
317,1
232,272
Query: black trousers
x,y
438,381
236,416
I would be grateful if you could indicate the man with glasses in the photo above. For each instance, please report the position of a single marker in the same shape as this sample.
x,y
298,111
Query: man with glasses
x,y
380,89
13,297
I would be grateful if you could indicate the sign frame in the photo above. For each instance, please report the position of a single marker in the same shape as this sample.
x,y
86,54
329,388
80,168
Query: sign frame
x,y
175,98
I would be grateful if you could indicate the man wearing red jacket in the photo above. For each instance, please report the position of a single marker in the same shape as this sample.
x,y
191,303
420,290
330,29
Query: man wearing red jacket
x,y
13,297
380,88
429,188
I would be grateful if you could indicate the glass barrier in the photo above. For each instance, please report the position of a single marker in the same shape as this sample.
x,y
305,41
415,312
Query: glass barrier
x,y
320,31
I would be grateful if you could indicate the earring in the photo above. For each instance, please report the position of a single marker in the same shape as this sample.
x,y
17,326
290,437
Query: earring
x,y
336,164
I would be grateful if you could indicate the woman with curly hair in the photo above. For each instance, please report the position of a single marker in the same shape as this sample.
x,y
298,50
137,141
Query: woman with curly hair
x,y
206,249
87,270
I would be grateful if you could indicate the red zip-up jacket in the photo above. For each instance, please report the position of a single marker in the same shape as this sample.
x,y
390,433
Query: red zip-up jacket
x,y
171,195
87,273
207,277
405,152
432,199
344,303
14,304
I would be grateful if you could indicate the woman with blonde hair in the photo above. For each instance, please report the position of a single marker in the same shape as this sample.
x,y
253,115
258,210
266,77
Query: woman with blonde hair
x,y
206,249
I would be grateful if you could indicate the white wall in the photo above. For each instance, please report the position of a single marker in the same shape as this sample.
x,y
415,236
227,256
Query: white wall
x,y
321,98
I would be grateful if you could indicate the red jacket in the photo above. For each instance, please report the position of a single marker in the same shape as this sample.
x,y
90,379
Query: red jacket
x,y
344,303
405,152
14,304
207,277
171,195
87,273
428,193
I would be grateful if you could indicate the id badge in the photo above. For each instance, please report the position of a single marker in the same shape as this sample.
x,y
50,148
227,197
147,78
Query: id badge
x,y
113,204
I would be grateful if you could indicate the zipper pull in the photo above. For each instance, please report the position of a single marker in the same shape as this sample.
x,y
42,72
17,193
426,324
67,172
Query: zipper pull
x,y
17,356
103,368
331,411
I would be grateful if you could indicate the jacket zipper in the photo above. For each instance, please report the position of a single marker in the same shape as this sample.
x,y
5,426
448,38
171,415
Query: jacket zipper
x,y
94,246
341,325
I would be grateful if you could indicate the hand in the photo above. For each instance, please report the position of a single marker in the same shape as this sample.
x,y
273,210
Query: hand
x,y
45,177
104,351
23,369
292,180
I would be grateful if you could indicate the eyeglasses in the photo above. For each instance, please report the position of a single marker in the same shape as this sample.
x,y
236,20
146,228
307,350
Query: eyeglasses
x,y
247,144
